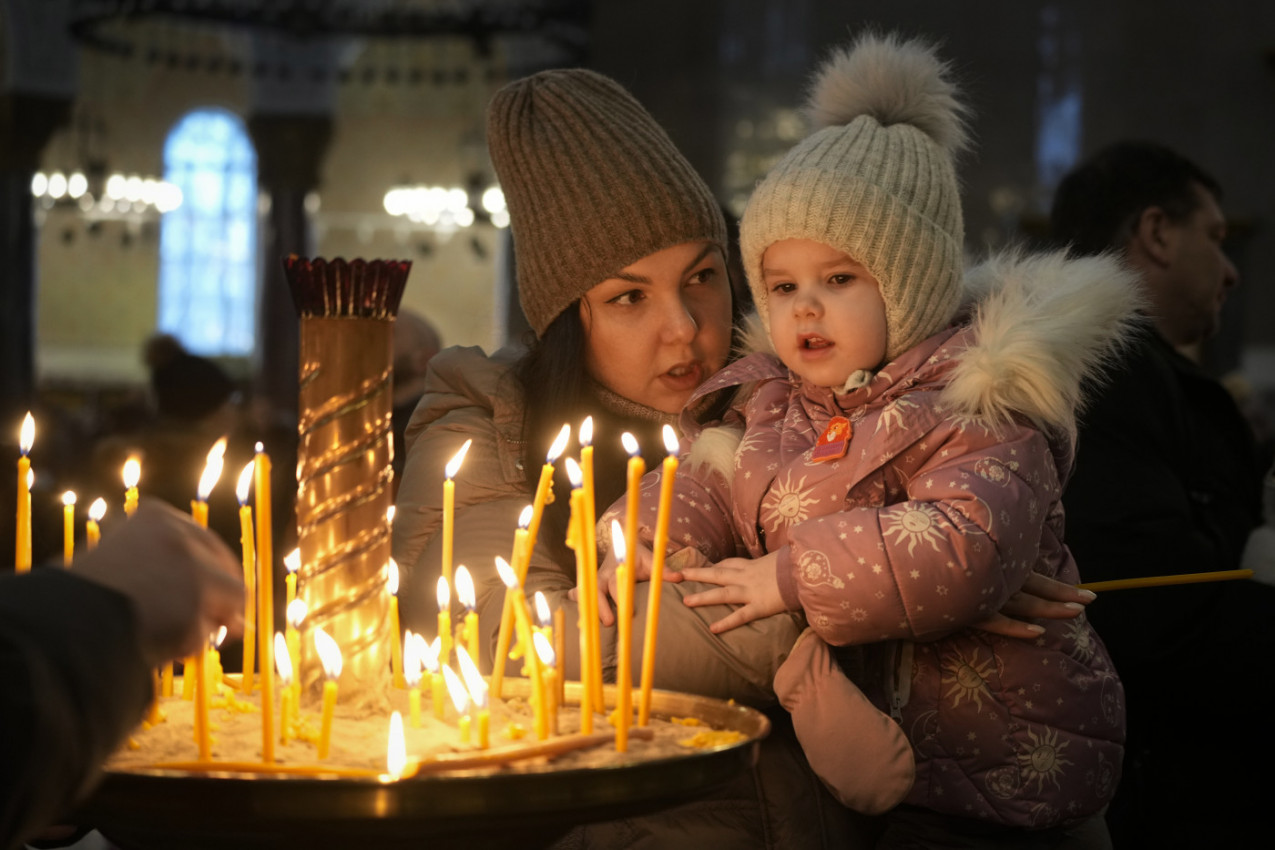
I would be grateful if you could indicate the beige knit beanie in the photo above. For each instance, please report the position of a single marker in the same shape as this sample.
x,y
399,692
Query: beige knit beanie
x,y
876,180
593,184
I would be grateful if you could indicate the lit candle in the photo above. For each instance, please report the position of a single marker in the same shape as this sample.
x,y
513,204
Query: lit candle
x,y
132,473
467,598
477,697
657,574
330,657
412,675
249,577
284,664
522,622
460,699
586,602
294,616
444,620
396,748
188,676
93,529
449,506
624,672
26,438
265,595
396,635
520,556
68,527
291,563
202,731
207,481
589,531
560,651
429,657
549,675
544,490
543,620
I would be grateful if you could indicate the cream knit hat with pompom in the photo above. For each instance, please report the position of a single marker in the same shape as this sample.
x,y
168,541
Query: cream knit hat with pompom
x,y
875,180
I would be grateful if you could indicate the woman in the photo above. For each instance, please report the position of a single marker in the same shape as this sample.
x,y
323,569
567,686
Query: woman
x,y
621,264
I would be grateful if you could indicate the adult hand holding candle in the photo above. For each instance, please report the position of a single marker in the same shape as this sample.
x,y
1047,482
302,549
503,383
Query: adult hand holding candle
x,y
330,658
249,549
68,527
477,698
131,474
660,544
466,596
93,529
449,506
26,438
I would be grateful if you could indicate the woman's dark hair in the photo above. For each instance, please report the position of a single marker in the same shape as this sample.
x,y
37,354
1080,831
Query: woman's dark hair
x,y
555,387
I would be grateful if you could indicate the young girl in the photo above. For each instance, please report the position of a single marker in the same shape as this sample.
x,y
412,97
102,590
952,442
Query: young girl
x,y
895,472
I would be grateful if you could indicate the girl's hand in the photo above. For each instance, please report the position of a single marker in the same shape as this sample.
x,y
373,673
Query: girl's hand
x,y
1041,597
751,584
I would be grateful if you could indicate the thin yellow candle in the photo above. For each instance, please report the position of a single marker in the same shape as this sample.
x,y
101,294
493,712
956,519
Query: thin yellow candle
x,y
265,596
201,704
68,527
544,491
26,438
460,699
627,578
131,474
429,656
248,546
660,544
477,698
396,749
294,616
188,676
449,506
544,621
624,673
92,528
284,664
444,593
396,634
589,531
208,480
586,602
522,621
291,563
330,658
412,676
560,650
520,556
467,598
549,687
215,671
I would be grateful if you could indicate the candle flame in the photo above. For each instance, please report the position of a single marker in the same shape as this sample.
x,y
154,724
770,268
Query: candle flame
x,y
524,518
391,582
544,649
97,510
465,588
219,638
245,481
396,748
630,444
26,434
586,431
68,498
389,514
453,465
282,662
132,472
212,469
670,439
297,609
428,652
292,560
559,444
444,594
329,653
259,448
473,679
506,573
456,689
574,474
542,609
411,659
617,541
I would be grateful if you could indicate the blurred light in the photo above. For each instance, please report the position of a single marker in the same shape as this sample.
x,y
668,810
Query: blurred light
x,y
39,184
57,184
77,185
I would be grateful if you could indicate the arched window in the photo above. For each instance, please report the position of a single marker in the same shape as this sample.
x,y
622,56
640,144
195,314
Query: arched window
x,y
208,245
